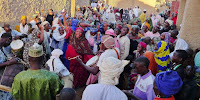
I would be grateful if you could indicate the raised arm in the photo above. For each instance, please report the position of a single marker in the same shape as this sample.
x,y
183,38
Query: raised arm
x,y
65,21
41,35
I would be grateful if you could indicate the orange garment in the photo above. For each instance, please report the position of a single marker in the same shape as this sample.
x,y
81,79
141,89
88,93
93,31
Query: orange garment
x,y
153,66
171,98
129,27
148,25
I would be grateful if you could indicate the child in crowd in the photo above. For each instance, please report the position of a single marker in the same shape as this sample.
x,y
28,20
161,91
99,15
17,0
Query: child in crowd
x,y
68,94
178,59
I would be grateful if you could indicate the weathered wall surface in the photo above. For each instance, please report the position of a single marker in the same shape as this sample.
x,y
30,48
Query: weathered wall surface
x,y
149,5
190,24
83,2
12,10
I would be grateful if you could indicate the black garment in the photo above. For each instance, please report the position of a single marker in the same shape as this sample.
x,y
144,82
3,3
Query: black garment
x,y
121,12
181,71
189,90
165,30
133,46
49,18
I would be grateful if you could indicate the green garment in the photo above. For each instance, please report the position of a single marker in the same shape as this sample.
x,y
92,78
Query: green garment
x,y
135,20
36,85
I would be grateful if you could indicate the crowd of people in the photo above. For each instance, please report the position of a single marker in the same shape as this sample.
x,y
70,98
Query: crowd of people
x,y
118,54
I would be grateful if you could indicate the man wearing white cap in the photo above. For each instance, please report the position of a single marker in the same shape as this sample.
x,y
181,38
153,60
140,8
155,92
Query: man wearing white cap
x,y
55,65
35,83
110,70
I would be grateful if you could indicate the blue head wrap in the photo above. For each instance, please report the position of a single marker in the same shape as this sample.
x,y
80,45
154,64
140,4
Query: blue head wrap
x,y
168,82
74,24
93,30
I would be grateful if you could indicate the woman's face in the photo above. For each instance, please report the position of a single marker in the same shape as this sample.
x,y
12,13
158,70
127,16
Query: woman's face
x,y
139,47
156,47
133,31
162,37
116,31
78,33
61,31
70,22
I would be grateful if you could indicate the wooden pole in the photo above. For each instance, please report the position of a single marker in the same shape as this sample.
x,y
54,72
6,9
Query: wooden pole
x,y
73,8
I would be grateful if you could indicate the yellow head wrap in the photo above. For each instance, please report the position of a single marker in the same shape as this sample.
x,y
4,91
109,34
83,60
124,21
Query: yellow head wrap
x,y
23,17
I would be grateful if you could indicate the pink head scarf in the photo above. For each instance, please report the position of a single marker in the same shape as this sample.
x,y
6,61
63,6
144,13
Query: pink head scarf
x,y
143,45
110,32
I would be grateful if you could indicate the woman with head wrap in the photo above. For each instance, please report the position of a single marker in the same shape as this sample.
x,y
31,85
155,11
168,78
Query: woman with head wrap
x,y
23,27
75,23
152,65
140,50
106,50
165,37
58,34
162,56
166,85
78,47
180,45
112,33
154,42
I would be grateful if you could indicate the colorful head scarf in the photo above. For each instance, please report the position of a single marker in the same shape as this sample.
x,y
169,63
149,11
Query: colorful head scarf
x,y
93,30
23,17
143,45
169,83
167,37
110,32
80,45
74,24
162,56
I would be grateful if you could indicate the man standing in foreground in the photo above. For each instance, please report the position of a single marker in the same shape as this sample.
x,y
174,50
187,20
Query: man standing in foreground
x,y
35,83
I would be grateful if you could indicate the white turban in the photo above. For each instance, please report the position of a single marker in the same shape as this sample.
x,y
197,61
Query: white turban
x,y
56,53
110,70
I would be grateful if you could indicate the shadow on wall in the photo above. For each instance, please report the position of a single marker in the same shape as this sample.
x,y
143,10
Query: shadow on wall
x,y
149,5
11,11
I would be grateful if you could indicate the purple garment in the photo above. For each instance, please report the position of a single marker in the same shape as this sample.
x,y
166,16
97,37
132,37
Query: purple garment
x,y
167,37
144,87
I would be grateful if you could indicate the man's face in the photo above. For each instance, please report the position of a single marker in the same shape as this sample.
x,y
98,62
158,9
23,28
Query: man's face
x,y
133,15
47,26
7,41
7,29
155,29
139,67
123,31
